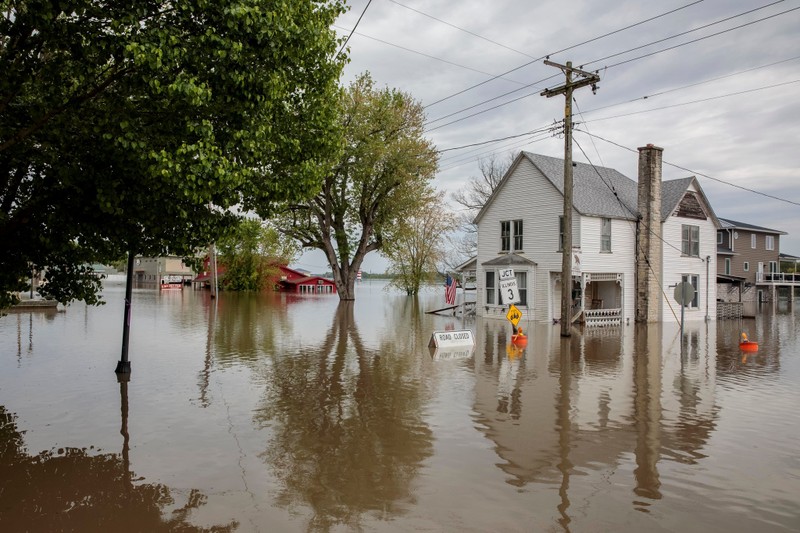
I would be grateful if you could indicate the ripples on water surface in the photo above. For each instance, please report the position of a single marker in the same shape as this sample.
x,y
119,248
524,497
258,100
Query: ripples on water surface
x,y
281,413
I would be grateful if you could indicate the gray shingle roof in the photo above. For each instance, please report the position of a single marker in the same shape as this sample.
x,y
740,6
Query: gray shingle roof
x,y
598,191
508,260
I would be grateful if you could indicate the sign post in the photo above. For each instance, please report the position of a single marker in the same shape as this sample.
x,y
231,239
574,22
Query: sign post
x,y
684,293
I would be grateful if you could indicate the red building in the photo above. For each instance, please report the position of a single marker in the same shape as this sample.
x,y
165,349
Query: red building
x,y
302,283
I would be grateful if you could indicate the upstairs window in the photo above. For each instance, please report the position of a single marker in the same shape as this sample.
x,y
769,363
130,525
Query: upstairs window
x,y
770,242
518,235
505,236
690,240
605,235
719,237
561,233
511,235
753,241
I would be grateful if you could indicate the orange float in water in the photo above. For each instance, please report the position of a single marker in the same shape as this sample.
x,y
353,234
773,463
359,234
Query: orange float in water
x,y
519,339
747,345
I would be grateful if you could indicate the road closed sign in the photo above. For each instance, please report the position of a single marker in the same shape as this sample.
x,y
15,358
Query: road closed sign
x,y
508,286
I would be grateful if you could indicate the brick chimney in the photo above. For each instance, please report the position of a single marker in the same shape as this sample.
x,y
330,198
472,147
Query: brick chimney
x,y
649,249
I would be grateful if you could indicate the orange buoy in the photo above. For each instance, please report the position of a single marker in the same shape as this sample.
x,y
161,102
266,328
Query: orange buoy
x,y
747,345
519,338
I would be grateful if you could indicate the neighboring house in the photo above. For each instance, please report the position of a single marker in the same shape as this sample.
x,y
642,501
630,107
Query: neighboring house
x,y
301,282
159,272
748,259
521,227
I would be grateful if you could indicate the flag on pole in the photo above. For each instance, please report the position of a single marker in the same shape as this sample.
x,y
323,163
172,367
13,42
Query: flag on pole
x,y
450,290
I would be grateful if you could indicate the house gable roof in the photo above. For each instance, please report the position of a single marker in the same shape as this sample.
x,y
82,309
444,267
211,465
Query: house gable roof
x,y
732,224
604,192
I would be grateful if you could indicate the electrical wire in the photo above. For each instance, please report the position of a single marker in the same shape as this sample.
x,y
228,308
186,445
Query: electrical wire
x,y
423,54
460,28
760,193
354,27
564,50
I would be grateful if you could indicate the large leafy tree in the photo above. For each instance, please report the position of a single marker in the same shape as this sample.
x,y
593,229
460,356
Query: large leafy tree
x,y
416,248
136,125
385,165
251,252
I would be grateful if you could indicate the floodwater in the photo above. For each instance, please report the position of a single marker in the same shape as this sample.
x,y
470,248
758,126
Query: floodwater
x,y
281,413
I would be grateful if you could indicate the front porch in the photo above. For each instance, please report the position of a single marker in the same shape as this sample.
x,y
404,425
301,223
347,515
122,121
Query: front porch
x,y
601,299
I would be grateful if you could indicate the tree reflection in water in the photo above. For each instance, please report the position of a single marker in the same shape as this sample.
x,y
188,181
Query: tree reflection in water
x,y
349,435
72,490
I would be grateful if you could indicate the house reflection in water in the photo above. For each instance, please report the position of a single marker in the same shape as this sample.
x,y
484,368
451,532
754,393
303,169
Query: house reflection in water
x,y
606,399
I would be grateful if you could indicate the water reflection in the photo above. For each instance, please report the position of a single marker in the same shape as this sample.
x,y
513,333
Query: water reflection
x,y
347,424
77,489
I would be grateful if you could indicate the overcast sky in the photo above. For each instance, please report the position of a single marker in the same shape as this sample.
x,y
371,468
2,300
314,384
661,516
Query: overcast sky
x,y
725,106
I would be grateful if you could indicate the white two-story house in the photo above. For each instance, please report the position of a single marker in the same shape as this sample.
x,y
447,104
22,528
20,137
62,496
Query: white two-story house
x,y
521,227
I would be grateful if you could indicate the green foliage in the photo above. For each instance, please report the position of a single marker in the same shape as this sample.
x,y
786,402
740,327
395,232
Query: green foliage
x,y
385,166
251,252
137,125
415,247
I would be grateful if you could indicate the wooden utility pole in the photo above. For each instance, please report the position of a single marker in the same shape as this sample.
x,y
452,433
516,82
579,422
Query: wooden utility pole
x,y
584,78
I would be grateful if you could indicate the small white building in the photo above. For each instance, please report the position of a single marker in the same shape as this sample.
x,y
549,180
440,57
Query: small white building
x,y
521,227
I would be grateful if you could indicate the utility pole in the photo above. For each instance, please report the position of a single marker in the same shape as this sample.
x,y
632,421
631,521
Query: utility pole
x,y
583,78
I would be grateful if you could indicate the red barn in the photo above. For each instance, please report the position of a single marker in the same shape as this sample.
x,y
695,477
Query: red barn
x,y
301,283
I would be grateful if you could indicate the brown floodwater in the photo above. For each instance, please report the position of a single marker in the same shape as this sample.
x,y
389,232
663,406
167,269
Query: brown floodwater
x,y
275,412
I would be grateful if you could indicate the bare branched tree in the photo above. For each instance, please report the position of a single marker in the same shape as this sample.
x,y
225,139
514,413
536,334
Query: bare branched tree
x,y
471,199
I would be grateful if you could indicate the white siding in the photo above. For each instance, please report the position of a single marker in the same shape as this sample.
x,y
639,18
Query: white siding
x,y
676,264
621,260
529,196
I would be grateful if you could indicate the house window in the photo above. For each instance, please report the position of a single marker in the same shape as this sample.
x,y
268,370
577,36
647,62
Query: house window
x,y
773,267
753,241
605,235
728,266
560,233
746,266
694,280
507,237
522,287
770,242
690,240
493,296
719,237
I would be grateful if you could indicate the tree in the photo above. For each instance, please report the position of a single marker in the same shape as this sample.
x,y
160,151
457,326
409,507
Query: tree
x,y
416,247
251,252
385,165
473,197
135,126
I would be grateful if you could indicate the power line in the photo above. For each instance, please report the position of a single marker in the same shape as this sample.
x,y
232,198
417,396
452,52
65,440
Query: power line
x,y
698,39
564,50
766,195
460,28
720,21
539,130
611,66
354,28
427,55
738,93
682,87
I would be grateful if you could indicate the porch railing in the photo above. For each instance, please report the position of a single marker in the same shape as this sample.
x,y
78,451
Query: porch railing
x,y
777,277
603,317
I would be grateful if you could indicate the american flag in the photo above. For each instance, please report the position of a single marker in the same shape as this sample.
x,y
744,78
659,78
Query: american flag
x,y
450,291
